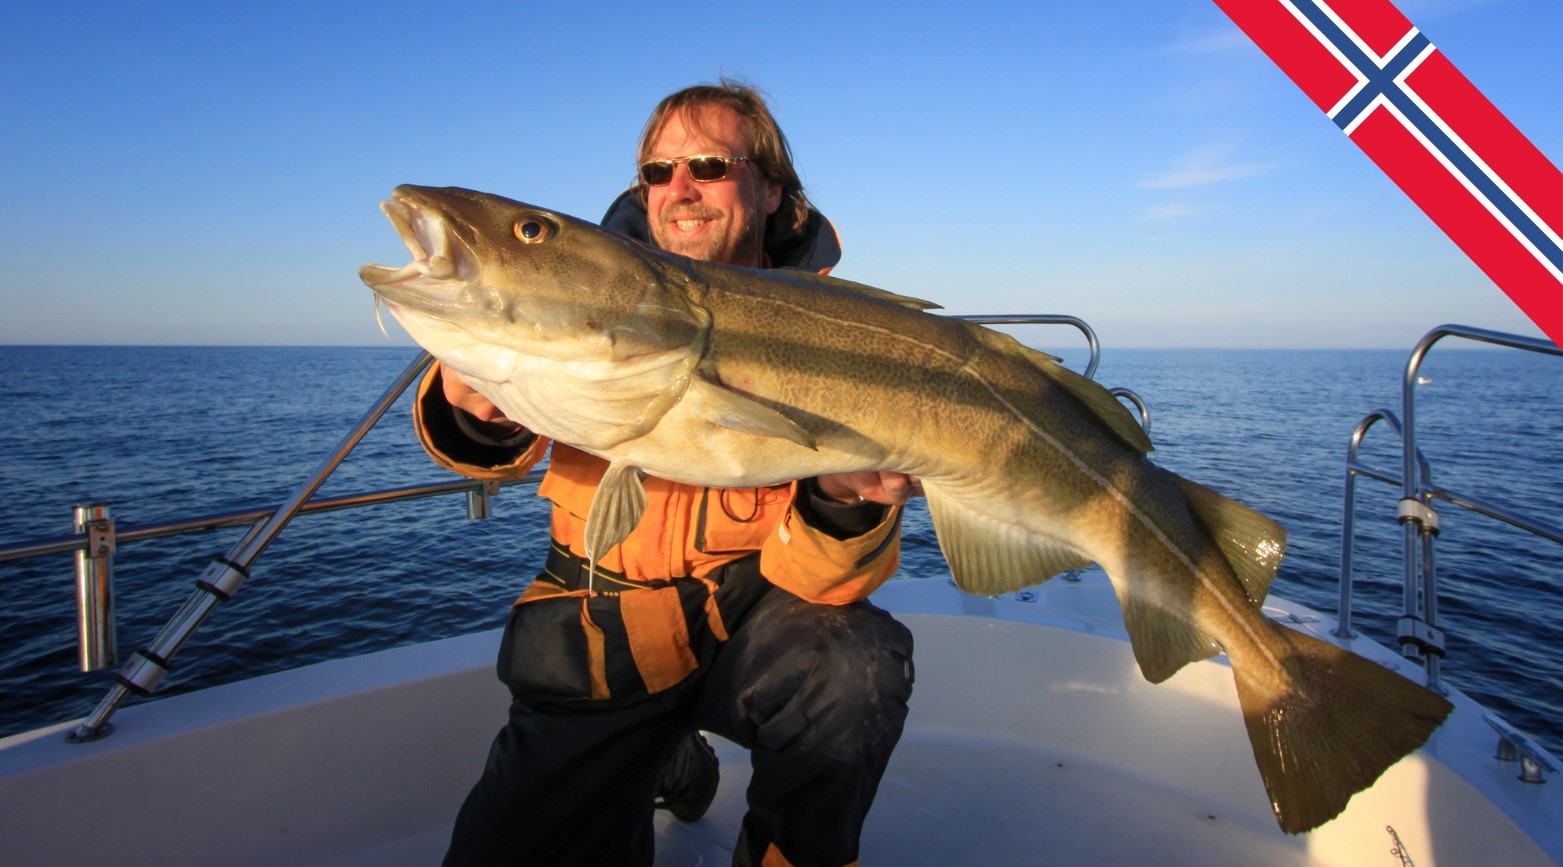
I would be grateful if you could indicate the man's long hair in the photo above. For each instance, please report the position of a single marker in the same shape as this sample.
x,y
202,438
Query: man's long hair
x,y
768,148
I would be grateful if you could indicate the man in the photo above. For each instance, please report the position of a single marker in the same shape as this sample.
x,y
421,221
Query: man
x,y
741,612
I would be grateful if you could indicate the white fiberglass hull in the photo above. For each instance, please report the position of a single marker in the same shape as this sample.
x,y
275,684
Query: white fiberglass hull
x,y
1032,739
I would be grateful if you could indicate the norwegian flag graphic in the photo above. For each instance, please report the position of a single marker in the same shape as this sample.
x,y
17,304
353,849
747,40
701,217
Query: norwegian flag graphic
x,y
1431,131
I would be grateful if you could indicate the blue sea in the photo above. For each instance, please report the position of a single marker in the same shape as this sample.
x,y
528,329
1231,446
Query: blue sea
x,y
160,433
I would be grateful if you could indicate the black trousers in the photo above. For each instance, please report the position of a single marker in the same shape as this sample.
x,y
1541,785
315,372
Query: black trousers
x,y
817,693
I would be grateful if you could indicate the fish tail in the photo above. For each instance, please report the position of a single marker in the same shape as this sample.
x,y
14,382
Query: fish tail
x,y
1339,725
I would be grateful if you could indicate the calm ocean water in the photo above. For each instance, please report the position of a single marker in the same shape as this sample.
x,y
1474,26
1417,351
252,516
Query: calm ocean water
x,y
160,433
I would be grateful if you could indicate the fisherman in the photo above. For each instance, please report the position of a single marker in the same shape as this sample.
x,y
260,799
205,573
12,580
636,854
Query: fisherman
x,y
737,611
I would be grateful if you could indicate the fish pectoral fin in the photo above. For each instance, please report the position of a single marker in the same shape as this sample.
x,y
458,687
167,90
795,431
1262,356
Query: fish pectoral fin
x,y
1251,542
724,407
617,505
988,556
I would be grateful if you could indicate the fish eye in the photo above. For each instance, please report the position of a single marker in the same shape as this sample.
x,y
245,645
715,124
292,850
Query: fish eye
x,y
532,230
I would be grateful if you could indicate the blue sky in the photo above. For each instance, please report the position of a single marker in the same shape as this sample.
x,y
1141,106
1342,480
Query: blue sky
x,y
191,173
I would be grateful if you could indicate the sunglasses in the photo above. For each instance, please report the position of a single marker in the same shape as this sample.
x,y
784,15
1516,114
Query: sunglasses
x,y
702,168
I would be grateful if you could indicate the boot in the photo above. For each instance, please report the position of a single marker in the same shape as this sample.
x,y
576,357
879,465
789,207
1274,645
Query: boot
x,y
688,780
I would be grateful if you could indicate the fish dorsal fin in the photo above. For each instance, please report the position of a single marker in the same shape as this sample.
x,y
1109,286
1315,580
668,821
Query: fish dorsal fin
x,y
1097,399
1251,542
988,556
863,289
617,505
726,408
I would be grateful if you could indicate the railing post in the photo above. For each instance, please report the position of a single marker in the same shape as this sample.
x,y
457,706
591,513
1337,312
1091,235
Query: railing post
x,y
1349,514
1420,636
478,499
1347,546
97,648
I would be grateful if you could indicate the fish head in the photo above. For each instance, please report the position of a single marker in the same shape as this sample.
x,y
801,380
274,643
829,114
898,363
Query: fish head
x,y
494,280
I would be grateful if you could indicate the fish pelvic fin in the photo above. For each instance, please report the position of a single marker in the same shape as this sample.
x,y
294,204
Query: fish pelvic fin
x,y
1252,543
617,506
1334,732
1101,402
1163,641
988,556
1167,638
726,408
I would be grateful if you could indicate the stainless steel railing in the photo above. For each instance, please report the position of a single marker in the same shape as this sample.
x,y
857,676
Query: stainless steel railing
x,y
1421,638
145,670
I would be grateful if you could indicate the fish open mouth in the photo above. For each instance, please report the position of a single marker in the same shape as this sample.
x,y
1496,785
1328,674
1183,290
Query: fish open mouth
x,y
435,259
441,267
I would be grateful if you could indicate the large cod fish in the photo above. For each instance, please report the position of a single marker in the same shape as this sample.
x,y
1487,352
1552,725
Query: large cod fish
x,y
733,377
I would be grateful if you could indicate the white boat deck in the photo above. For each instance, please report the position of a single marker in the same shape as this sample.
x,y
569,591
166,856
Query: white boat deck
x,y
1032,739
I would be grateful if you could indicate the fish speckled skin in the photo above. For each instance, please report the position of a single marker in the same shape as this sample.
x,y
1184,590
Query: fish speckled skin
x,y
725,376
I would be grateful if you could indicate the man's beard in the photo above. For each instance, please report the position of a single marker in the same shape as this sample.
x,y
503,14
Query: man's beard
x,y
710,246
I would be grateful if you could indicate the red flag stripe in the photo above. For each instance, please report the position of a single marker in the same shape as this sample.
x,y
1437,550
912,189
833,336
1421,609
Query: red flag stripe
x,y
1305,60
1377,24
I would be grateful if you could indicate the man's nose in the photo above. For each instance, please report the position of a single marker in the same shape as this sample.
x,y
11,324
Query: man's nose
x,y
683,186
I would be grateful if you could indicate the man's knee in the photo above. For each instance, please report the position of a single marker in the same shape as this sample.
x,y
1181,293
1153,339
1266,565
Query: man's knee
x,y
837,680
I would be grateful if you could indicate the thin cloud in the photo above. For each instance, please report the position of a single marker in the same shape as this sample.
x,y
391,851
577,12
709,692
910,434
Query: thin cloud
x,y
1227,40
1171,211
1203,168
